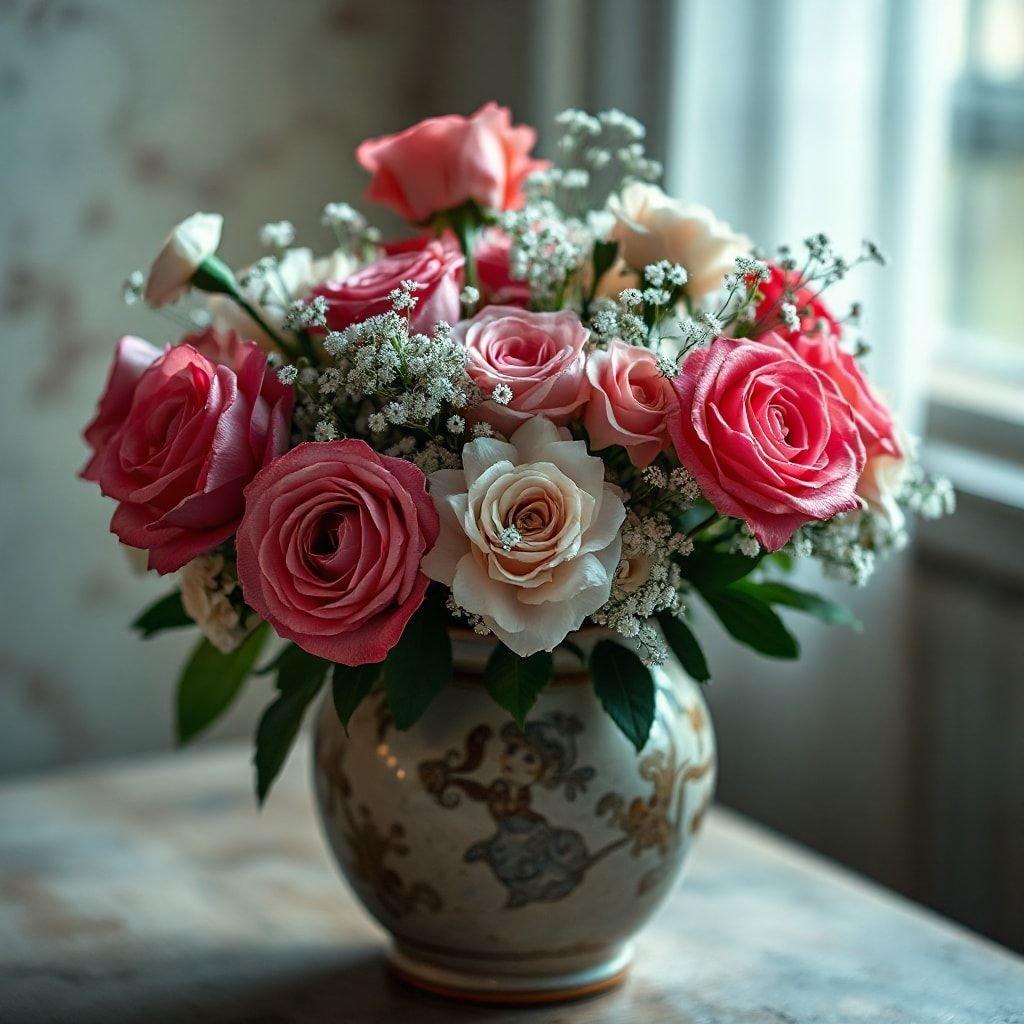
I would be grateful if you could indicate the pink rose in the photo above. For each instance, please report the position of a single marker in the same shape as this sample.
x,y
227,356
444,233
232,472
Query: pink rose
x,y
444,162
435,266
874,420
330,546
629,402
178,454
538,357
497,285
810,308
132,358
769,438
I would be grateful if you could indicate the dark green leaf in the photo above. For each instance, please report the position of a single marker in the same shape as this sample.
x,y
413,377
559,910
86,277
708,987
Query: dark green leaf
x,y
685,647
752,622
419,666
167,613
708,569
350,685
625,687
813,604
210,681
299,678
604,257
515,682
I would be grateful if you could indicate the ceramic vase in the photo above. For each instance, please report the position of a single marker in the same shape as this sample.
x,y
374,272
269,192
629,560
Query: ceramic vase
x,y
514,864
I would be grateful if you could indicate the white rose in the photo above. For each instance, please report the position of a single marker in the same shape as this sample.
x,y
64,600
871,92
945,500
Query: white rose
x,y
191,242
206,583
651,226
299,274
529,536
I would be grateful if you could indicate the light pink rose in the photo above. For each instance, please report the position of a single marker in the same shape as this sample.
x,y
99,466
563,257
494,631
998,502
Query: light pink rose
x,y
530,535
178,454
443,162
629,402
437,267
330,546
769,439
540,357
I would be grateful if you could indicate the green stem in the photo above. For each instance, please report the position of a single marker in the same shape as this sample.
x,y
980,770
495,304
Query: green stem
x,y
709,520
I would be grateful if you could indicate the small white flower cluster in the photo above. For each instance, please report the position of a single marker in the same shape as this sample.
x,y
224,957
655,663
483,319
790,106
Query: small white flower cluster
x,y
398,379
302,315
277,235
744,542
598,155
475,622
930,497
641,588
349,227
849,545
619,319
546,249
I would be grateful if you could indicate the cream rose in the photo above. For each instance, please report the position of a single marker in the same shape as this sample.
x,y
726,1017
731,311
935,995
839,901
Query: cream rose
x,y
206,585
530,535
651,226
191,242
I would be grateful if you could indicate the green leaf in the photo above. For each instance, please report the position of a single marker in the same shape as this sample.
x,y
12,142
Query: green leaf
x,y
350,685
167,613
708,569
211,680
603,257
299,678
685,647
515,682
813,604
419,666
752,622
625,687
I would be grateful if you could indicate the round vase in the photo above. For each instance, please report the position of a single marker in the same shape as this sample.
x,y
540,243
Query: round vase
x,y
514,864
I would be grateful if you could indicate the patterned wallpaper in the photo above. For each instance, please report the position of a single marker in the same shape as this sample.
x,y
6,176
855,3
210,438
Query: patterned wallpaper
x,y
119,119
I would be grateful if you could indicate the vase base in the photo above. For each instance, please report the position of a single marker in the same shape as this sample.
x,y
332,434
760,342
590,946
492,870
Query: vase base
x,y
506,989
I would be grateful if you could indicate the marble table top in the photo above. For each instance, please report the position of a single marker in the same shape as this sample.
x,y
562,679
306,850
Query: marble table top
x,y
153,890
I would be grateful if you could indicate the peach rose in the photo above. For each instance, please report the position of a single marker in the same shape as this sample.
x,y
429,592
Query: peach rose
x,y
530,535
629,401
538,357
443,162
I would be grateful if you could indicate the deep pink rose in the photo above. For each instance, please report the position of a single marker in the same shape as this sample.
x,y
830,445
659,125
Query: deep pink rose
x,y
539,357
435,266
497,285
769,438
190,438
810,307
330,546
629,401
444,162
132,358
873,418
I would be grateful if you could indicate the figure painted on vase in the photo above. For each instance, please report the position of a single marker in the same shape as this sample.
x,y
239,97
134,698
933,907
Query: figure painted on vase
x,y
535,860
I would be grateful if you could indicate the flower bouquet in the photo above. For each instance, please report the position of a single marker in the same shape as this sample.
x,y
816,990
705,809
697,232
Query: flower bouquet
x,y
565,400
534,442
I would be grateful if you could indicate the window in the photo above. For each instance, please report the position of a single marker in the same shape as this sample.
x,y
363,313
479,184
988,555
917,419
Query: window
x,y
981,363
